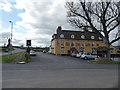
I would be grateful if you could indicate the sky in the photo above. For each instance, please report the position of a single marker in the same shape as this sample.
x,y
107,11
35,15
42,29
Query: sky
x,y
35,20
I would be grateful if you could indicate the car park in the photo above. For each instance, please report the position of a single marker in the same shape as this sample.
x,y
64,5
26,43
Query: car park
x,y
88,56
32,53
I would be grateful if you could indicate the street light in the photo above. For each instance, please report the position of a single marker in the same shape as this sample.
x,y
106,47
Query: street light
x,y
11,30
11,36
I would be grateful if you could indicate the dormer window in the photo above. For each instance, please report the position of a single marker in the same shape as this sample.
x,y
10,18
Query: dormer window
x,y
90,30
83,37
72,36
92,37
62,36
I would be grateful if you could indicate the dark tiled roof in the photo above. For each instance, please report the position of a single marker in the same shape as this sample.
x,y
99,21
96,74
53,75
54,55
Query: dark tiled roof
x,y
77,34
67,35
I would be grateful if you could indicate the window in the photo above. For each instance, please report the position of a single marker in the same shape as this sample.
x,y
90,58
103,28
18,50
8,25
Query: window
x,y
62,36
92,37
62,42
90,30
94,51
77,44
62,50
111,50
97,44
72,43
72,36
53,43
53,36
93,44
83,37
87,44
81,49
83,44
52,50
67,44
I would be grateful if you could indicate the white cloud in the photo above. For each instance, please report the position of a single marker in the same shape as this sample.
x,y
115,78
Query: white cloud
x,y
5,5
41,18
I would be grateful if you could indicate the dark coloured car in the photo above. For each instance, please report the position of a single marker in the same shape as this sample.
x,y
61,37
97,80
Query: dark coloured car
x,y
6,50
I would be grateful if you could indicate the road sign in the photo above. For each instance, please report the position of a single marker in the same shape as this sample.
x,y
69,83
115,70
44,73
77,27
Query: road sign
x,y
28,43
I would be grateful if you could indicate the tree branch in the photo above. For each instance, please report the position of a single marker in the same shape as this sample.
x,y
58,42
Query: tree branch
x,y
114,40
112,21
113,27
74,11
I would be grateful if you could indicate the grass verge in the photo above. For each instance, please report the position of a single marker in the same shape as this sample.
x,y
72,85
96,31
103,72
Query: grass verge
x,y
9,58
25,59
104,62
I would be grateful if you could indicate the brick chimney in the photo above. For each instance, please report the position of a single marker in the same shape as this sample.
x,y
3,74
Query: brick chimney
x,y
85,29
59,29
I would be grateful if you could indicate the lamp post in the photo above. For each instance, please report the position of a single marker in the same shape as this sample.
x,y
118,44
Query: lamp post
x,y
11,30
11,36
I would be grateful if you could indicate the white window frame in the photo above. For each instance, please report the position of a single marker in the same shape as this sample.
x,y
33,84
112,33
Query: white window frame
x,y
72,36
92,37
83,36
62,36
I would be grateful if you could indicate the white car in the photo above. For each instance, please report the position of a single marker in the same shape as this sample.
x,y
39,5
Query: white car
x,y
76,54
32,53
88,56
79,54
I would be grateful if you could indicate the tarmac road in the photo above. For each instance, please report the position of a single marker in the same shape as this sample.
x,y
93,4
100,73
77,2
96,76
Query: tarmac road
x,y
51,71
14,51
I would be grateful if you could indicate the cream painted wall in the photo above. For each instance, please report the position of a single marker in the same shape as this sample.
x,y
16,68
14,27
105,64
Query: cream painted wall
x,y
56,44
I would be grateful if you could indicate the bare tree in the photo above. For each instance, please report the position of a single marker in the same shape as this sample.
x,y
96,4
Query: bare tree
x,y
102,17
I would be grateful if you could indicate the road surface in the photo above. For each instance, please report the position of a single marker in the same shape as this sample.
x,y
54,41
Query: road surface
x,y
51,71
14,51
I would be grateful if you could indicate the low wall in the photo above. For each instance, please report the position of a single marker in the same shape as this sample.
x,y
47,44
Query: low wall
x,y
101,59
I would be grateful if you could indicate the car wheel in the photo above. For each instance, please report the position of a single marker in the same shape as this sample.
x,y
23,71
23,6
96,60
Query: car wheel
x,y
85,58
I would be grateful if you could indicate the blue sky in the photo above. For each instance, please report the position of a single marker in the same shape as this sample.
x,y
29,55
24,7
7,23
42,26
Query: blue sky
x,y
13,15
32,19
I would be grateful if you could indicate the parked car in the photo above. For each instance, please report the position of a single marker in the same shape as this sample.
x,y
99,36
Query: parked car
x,y
44,51
76,54
32,53
49,52
88,56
